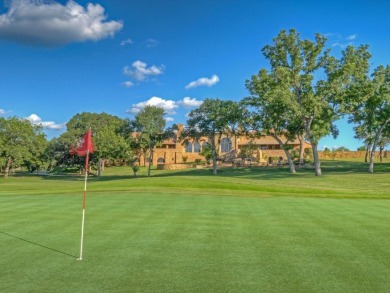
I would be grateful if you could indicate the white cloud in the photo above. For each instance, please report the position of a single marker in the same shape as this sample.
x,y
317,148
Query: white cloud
x,y
169,119
169,106
342,45
2,111
127,42
203,81
338,40
336,35
187,102
127,84
49,23
150,43
140,71
35,119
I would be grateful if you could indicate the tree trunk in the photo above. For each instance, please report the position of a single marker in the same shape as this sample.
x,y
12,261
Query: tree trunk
x,y
317,163
301,149
99,167
150,160
290,162
214,155
367,153
7,167
372,155
289,159
214,164
314,146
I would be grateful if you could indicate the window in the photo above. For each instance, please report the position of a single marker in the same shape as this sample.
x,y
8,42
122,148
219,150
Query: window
x,y
204,145
189,147
196,147
226,145
160,161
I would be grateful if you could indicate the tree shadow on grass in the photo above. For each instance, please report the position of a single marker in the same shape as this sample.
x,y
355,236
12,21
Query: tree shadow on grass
x,y
37,244
261,173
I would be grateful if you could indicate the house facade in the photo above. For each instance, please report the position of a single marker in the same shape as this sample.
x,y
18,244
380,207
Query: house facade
x,y
173,151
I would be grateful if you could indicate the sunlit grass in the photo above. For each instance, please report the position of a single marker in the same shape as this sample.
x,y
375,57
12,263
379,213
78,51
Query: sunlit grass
x,y
245,230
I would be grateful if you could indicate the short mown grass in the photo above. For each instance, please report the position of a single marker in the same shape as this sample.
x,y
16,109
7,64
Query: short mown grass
x,y
246,230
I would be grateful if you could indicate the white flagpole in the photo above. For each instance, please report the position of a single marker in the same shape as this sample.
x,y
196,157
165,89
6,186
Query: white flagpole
x,y
84,204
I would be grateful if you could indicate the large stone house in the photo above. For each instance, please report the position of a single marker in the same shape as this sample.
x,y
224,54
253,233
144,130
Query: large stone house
x,y
173,151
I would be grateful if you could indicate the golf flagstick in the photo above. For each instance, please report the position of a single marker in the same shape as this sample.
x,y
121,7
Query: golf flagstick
x,y
84,148
84,205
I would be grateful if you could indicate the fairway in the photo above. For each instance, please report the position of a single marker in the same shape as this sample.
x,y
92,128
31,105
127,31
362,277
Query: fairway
x,y
247,230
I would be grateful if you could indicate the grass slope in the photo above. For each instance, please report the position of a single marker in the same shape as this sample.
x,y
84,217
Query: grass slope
x,y
247,230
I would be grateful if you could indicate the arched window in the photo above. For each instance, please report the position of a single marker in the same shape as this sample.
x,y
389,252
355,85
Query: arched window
x,y
226,145
196,147
160,161
189,147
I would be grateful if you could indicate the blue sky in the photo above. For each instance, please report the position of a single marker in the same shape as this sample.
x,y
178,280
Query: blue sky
x,y
60,58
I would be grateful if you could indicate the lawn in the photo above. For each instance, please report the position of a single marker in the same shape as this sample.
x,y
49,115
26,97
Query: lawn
x,y
246,230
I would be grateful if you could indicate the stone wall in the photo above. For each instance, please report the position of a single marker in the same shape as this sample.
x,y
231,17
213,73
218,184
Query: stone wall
x,y
351,155
274,153
173,166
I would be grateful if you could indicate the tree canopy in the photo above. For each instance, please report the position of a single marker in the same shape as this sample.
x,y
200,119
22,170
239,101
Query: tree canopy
x,y
150,125
292,97
21,143
211,120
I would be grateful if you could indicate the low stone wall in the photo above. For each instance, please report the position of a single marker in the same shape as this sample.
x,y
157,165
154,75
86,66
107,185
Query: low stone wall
x,y
351,155
173,166
274,153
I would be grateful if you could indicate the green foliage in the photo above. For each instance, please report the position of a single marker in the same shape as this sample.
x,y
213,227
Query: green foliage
x,y
291,99
308,153
150,124
370,110
110,135
206,153
294,154
342,149
273,160
133,162
248,150
213,119
21,144
362,148
184,159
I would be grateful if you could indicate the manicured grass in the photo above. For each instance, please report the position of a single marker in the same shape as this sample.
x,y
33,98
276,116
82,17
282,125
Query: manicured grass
x,y
247,230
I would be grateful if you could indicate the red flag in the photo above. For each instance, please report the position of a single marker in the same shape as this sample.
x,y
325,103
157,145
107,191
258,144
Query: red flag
x,y
84,146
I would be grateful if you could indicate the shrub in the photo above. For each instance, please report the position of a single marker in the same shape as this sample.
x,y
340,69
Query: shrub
x,y
308,154
294,154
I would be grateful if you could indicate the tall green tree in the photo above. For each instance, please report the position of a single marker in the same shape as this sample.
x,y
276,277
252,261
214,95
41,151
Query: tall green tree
x,y
271,110
109,134
296,89
212,120
363,132
21,142
150,126
371,110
